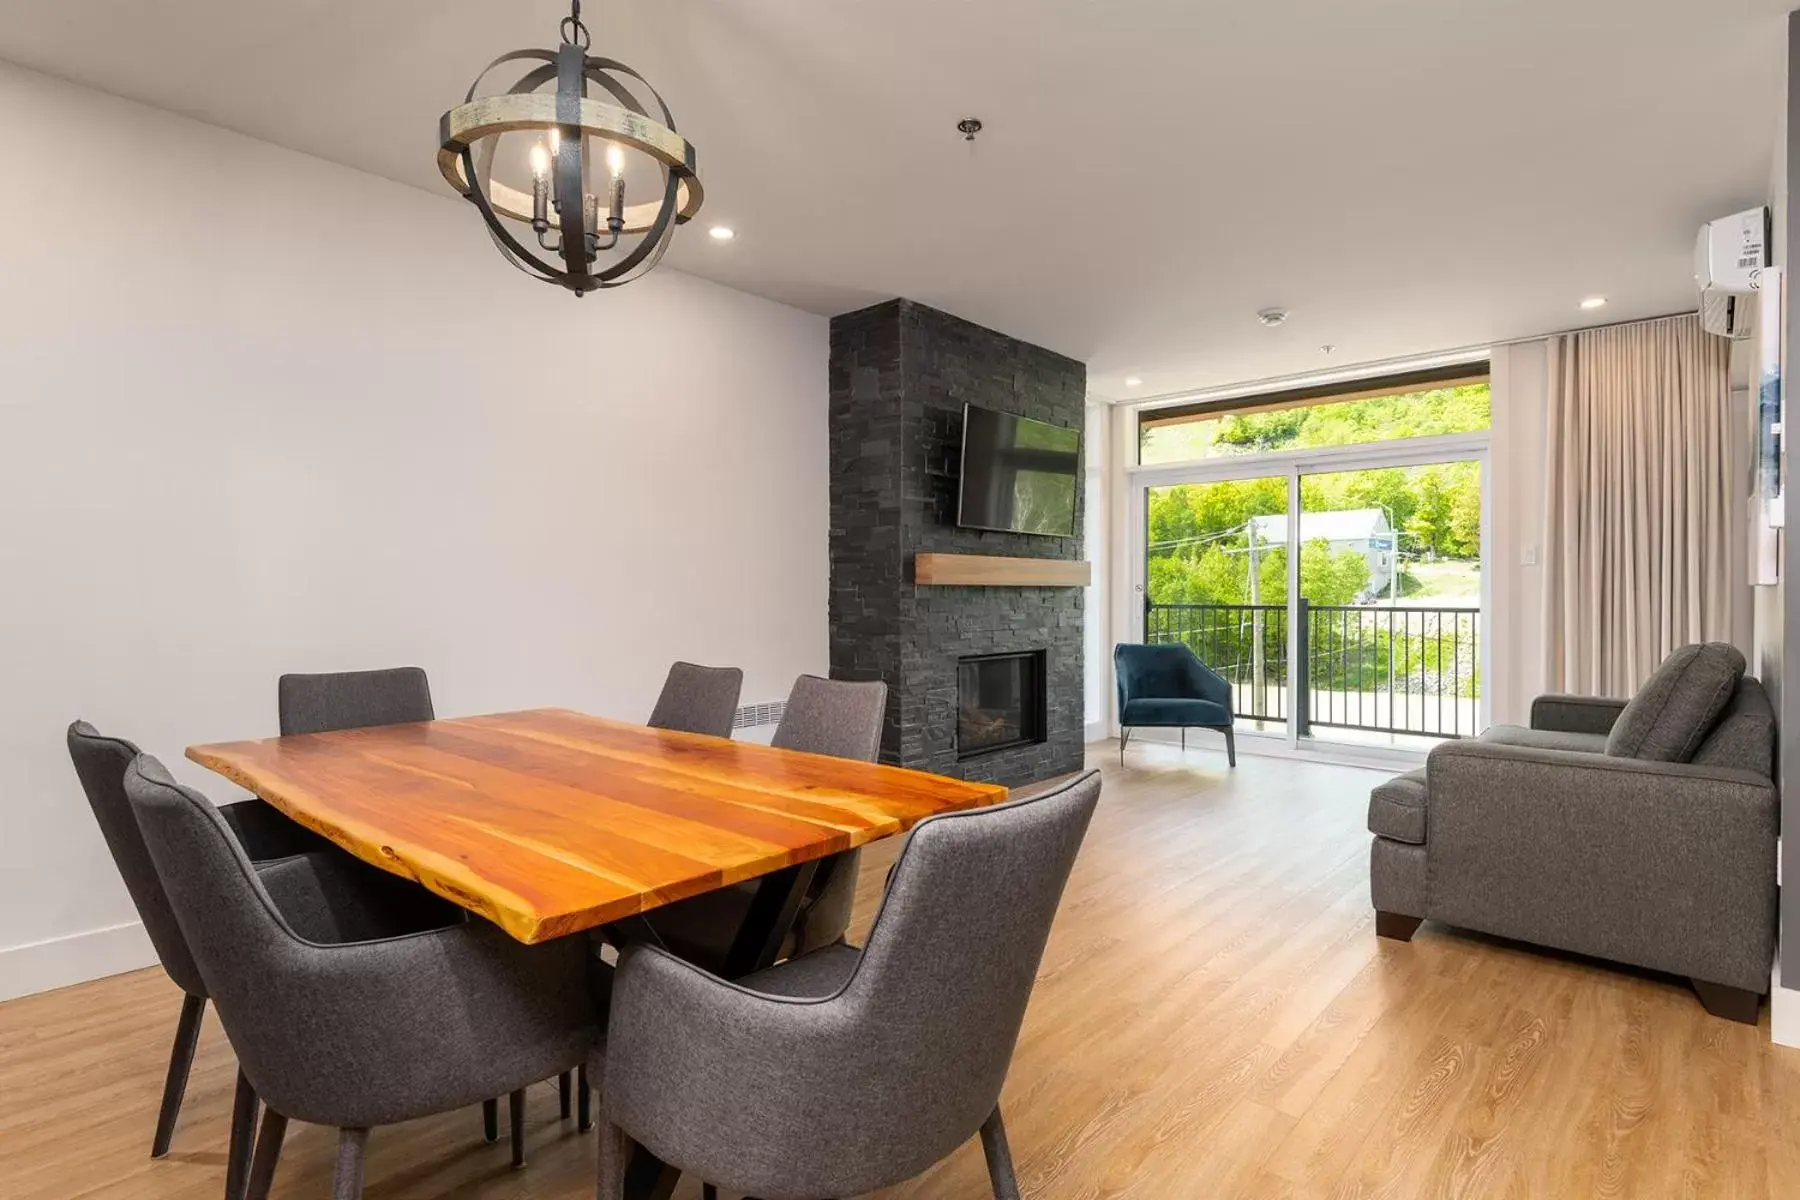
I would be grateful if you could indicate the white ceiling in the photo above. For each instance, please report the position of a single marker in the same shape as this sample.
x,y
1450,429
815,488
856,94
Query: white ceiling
x,y
1406,175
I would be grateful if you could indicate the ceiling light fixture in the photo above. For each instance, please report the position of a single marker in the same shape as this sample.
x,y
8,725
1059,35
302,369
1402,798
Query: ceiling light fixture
x,y
969,127
574,224
1133,381
722,233
1593,302
1271,317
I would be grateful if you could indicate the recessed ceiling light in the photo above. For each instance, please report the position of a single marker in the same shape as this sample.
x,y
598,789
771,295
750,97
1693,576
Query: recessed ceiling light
x,y
1133,381
1272,317
722,233
1593,302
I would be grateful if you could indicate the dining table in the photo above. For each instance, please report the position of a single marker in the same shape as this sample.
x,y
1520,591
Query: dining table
x,y
550,822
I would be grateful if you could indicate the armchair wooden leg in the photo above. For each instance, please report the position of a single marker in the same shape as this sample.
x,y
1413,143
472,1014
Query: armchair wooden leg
x,y
516,1115
181,1061
243,1139
1733,1004
490,1121
1397,926
999,1158
268,1153
347,1182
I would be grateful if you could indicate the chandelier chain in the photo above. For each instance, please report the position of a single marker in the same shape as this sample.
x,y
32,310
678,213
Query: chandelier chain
x,y
573,29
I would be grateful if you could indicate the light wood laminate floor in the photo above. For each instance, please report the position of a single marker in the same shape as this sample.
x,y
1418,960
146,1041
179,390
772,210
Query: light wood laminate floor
x,y
1215,1017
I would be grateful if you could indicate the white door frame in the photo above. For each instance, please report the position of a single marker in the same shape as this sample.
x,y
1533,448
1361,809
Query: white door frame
x,y
1317,460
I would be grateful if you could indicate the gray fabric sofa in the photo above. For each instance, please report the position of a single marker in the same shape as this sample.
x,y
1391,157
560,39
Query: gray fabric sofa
x,y
1643,832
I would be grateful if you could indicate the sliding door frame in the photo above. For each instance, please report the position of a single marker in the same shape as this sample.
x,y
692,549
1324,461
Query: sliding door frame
x,y
1320,460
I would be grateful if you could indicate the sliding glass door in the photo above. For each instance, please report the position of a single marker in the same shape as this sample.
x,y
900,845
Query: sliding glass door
x,y
1216,582
1342,595
1390,607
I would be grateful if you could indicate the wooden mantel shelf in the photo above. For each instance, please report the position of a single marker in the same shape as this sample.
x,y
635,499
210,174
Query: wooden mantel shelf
x,y
983,570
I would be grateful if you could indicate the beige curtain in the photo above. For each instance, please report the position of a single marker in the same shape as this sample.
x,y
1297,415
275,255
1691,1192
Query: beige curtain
x,y
1640,473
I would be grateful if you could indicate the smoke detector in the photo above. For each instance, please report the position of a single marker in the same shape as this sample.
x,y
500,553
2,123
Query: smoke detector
x,y
1271,317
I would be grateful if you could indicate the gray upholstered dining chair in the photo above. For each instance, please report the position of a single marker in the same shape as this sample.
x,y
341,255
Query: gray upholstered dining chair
x,y
844,1071
356,1034
325,703
317,886
823,716
353,700
698,699
100,763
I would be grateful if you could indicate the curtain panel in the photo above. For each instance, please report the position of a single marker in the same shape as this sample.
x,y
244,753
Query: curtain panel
x,y
1640,475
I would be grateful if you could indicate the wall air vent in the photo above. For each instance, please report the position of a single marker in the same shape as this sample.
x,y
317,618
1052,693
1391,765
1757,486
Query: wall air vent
x,y
755,716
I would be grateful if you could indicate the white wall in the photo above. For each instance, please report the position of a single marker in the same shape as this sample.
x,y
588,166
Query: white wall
x,y
1515,485
261,413
1101,498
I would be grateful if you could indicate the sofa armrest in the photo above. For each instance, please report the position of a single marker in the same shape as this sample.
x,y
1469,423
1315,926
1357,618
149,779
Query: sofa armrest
x,y
1669,866
1576,714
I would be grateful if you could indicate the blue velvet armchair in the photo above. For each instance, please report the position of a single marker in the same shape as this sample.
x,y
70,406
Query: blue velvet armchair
x,y
1169,687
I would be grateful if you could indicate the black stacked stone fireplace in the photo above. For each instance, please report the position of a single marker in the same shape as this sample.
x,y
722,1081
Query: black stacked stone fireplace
x,y
957,660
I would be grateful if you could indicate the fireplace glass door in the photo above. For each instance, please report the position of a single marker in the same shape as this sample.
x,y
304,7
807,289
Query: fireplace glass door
x,y
1000,702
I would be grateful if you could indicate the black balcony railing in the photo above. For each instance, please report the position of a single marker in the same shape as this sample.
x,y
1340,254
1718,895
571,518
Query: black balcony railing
x,y
1367,667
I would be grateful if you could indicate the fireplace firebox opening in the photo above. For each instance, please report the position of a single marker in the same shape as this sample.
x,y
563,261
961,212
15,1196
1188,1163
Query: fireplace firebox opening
x,y
1001,702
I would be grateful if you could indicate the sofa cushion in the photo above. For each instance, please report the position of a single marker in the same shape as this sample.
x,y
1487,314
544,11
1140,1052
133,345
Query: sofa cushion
x,y
1744,738
1174,712
1674,711
1544,739
1397,808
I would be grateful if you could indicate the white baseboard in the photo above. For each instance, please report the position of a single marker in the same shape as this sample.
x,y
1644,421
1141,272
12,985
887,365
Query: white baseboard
x,y
1099,731
1784,1011
76,958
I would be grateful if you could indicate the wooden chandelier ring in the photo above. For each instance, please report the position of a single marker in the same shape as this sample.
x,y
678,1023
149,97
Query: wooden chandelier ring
x,y
491,116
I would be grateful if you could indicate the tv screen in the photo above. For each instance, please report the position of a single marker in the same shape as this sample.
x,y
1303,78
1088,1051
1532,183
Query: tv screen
x,y
1018,475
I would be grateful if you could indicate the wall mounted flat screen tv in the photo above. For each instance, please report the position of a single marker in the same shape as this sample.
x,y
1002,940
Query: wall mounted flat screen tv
x,y
1018,475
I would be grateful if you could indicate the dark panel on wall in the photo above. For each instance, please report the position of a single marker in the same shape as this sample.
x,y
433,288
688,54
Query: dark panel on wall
x,y
900,375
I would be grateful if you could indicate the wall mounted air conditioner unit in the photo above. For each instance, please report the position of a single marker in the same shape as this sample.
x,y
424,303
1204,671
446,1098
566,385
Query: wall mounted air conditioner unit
x,y
1729,261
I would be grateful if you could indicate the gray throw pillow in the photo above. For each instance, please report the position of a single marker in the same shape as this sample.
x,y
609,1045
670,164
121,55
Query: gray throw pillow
x,y
1674,711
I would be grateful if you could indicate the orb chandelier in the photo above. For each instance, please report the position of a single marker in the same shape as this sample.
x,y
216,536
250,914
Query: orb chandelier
x,y
587,237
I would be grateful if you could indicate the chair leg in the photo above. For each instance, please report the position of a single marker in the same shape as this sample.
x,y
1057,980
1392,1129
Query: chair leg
x,y
584,1100
516,1114
1184,739
347,1183
181,1060
1124,741
999,1158
490,1121
1230,745
243,1139
268,1153
565,1092
708,1192
615,1153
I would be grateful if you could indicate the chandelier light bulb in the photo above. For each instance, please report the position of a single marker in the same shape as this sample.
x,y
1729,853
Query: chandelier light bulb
x,y
615,161
555,141
540,160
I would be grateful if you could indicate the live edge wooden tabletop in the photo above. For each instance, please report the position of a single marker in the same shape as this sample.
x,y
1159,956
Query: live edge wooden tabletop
x,y
549,822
